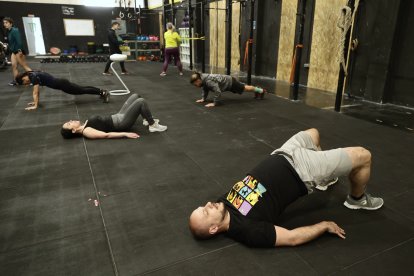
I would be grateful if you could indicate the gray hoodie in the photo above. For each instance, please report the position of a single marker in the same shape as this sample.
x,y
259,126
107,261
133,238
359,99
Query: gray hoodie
x,y
216,83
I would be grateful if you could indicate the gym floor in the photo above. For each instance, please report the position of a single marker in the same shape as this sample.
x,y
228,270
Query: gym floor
x,y
146,188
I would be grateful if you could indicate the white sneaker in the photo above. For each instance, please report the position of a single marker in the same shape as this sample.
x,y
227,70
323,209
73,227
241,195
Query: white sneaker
x,y
157,127
145,122
324,186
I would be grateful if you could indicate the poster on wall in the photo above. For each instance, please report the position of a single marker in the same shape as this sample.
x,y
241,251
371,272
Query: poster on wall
x,y
68,10
79,27
34,36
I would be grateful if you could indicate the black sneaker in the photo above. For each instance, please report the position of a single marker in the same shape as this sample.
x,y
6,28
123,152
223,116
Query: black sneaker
x,y
105,96
263,94
260,96
13,83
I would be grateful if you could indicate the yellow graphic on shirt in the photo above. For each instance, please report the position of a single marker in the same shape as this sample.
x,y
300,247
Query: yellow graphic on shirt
x,y
232,194
253,198
238,186
250,181
245,194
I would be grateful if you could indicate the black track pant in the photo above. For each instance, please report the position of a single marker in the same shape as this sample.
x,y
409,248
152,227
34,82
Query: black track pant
x,y
132,108
108,63
74,89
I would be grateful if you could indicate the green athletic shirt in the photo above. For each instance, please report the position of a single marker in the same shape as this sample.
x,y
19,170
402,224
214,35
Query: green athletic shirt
x,y
14,39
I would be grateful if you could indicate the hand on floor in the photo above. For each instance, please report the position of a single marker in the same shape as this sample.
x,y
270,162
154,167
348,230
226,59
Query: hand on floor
x,y
333,228
131,135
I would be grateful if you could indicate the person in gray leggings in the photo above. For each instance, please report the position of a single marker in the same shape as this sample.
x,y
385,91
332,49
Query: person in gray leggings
x,y
114,126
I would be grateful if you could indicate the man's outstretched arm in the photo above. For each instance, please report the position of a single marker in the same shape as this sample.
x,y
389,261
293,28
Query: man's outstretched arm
x,y
301,235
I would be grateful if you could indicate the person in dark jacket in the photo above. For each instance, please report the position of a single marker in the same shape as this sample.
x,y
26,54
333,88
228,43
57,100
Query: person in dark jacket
x,y
38,78
114,44
18,56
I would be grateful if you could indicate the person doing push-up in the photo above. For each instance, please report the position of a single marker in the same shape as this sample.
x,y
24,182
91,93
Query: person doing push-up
x,y
220,83
39,78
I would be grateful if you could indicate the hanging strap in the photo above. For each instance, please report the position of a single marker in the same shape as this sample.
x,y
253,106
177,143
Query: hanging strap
x,y
293,66
246,51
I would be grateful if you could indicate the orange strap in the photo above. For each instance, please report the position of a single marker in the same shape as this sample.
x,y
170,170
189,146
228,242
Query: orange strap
x,y
246,51
293,66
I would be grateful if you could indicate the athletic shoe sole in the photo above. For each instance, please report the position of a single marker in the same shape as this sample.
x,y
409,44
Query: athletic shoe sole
x,y
325,187
357,207
156,130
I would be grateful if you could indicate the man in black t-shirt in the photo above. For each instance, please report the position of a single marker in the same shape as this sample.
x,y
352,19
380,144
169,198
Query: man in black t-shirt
x,y
249,212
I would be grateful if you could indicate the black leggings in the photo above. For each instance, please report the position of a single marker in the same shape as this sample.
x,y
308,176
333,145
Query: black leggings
x,y
74,89
132,108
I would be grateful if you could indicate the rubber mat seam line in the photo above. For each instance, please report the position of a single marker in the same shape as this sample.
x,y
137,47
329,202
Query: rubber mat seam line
x,y
305,261
374,255
198,165
400,213
8,114
46,241
185,260
114,266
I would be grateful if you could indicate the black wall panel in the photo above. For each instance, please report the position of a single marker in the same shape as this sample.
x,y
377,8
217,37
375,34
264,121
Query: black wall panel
x,y
375,28
51,18
400,89
267,38
307,39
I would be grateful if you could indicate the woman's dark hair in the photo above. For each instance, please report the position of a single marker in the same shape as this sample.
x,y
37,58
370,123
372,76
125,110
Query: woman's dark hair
x,y
195,76
68,134
115,23
8,19
19,78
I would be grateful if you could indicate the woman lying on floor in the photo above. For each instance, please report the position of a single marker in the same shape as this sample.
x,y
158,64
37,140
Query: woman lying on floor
x,y
39,78
113,126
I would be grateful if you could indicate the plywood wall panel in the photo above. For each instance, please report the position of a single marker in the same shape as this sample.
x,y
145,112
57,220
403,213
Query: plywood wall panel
x,y
286,39
217,37
324,66
235,47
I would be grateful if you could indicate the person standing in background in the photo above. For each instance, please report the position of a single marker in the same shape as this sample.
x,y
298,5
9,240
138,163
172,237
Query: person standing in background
x,y
114,44
18,56
172,43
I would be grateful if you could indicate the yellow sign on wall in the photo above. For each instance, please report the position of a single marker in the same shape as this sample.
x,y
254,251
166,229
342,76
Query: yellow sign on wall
x,y
153,4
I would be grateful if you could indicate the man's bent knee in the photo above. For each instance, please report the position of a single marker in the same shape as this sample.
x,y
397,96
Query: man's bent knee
x,y
359,156
314,134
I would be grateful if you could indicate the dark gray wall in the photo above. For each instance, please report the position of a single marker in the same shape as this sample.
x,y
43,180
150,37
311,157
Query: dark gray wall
x,y
244,36
307,38
400,85
51,18
375,30
267,38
